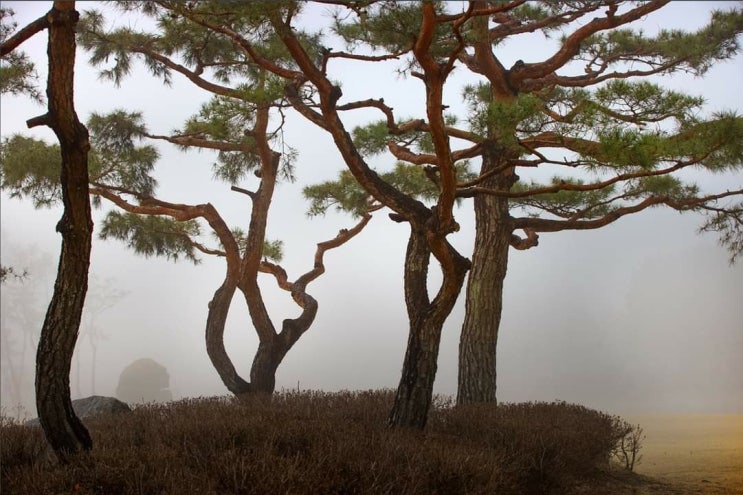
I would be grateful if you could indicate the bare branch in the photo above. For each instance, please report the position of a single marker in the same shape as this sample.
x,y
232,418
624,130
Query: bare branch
x,y
367,58
191,140
344,235
250,194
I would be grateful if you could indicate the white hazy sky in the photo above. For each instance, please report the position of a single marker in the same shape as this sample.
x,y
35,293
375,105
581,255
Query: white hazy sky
x,y
641,316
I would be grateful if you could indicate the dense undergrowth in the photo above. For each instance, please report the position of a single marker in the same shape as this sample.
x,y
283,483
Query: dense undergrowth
x,y
320,443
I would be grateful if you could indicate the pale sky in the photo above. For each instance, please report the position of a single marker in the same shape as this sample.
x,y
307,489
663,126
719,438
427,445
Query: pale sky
x,y
642,316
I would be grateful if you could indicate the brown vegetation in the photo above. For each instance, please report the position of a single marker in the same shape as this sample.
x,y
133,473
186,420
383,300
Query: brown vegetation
x,y
315,442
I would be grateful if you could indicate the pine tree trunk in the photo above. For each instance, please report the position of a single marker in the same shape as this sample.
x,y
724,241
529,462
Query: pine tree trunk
x,y
265,363
272,347
479,337
215,324
64,431
415,391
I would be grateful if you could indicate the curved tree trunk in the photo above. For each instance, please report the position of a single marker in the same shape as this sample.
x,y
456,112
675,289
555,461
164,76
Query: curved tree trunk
x,y
267,358
272,348
415,391
215,323
64,431
479,337
265,363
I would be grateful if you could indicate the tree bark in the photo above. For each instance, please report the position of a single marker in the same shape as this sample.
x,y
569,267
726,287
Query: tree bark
x,y
479,337
265,363
415,391
215,324
63,429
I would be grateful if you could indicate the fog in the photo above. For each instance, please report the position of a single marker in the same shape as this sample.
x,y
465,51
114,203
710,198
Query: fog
x,y
642,316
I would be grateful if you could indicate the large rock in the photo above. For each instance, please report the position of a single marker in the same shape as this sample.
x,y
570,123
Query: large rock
x,y
145,380
92,406
98,405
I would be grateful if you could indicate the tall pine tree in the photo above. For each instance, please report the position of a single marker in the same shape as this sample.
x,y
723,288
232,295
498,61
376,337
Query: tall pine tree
x,y
592,114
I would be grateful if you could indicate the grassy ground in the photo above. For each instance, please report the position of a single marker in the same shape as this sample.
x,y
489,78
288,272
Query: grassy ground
x,y
699,453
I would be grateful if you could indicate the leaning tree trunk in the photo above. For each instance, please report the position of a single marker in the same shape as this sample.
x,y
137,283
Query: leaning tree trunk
x,y
215,324
479,337
415,391
64,431
273,348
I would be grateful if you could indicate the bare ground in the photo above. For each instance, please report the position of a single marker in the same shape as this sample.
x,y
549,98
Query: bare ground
x,y
687,454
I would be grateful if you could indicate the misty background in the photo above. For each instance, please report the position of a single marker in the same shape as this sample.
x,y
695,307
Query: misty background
x,y
642,316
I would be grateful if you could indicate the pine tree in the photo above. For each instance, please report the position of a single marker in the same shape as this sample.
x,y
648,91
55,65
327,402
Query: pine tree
x,y
236,123
625,140
262,38
64,431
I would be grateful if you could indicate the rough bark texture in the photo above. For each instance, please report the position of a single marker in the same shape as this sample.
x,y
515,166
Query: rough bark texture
x,y
64,431
414,393
269,355
479,337
265,363
215,325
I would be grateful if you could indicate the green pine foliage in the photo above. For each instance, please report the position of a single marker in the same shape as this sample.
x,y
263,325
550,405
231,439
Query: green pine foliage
x,y
612,137
212,56
697,51
346,195
273,250
30,168
152,235
17,72
118,160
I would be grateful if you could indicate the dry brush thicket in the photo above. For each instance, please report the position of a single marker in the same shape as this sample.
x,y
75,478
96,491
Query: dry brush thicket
x,y
323,443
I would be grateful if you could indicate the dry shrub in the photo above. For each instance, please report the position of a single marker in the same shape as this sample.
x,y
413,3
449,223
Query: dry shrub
x,y
19,445
317,443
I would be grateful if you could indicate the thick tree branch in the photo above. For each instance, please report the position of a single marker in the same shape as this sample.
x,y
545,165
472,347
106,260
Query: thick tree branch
x,y
248,193
180,213
567,186
435,77
330,121
405,154
549,225
522,244
18,38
